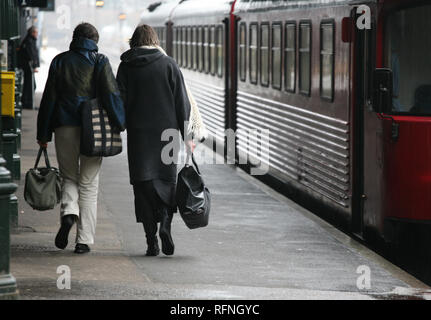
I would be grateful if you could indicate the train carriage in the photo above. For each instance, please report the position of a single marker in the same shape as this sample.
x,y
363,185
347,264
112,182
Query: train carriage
x,y
342,87
293,79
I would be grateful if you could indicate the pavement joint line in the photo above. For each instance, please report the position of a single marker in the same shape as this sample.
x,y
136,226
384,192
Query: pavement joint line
x,y
339,235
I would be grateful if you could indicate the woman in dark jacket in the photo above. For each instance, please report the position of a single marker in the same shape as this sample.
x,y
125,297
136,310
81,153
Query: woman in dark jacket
x,y
155,100
71,81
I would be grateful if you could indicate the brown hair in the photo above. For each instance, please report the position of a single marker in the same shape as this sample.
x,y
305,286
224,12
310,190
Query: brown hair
x,y
144,35
86,30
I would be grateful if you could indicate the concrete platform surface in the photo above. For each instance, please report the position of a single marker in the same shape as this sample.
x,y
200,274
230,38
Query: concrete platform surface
x,y
258,245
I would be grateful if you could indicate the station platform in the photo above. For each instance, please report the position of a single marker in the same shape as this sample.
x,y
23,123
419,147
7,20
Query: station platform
x,y
258,245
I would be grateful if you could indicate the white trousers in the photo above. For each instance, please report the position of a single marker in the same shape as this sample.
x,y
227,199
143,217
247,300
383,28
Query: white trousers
x,y
80,182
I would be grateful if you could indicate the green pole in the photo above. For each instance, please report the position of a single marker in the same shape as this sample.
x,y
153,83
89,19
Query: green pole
x,y
8,288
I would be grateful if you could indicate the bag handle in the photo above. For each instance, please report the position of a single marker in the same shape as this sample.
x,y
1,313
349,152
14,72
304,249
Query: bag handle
x,y
39,154
191,155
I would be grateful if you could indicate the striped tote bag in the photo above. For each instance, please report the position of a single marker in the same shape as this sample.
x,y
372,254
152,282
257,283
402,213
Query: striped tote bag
x,y
98,137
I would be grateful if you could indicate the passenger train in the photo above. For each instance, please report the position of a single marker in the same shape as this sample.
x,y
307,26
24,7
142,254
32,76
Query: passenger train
x,y
344,87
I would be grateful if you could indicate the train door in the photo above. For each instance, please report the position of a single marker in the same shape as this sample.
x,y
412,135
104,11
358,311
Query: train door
x,y
396,111
367,132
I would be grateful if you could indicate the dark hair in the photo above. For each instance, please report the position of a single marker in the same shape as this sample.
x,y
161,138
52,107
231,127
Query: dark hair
x,y
144,35
31,30
86,30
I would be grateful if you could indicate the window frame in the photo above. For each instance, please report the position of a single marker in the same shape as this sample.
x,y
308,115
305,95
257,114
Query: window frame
x,y
184,46
189,48
255,82
220,60
174,43
200,66
179,47
294,24
212,50
274,24
195,49
310,50
206,48
240,61
332,23
262,25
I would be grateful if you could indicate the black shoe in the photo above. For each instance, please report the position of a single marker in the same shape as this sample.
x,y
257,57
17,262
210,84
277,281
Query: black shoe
x,y
63,234
153,248
82,248
168,246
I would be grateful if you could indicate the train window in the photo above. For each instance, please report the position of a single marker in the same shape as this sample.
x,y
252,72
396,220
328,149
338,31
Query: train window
x,y
161,36
242,51
189,48
200,50
276,56
178,50
305,58
327,60
407,54
174,44
264,54
178,47
253,53
220,53
213,53
195,48
206,50
290,56
184,46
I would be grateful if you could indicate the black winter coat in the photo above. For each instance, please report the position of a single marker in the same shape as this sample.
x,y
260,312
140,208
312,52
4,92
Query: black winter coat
x,y
155,99
71,81
28,53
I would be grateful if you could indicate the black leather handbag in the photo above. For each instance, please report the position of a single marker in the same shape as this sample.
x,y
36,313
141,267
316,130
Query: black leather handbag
x,y
42,189
193,197
98,137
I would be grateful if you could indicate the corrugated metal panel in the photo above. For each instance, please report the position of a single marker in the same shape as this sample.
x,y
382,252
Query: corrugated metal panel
x,y
307,147
9,15
211,102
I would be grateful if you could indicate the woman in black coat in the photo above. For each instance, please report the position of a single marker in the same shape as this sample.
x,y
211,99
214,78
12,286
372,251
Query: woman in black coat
x,y
155,100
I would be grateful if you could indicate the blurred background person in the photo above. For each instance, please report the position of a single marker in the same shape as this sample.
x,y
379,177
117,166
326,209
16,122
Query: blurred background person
x,y
29,62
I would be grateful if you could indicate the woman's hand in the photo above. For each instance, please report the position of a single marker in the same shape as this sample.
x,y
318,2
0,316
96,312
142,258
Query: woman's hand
x,y
191,145
43,144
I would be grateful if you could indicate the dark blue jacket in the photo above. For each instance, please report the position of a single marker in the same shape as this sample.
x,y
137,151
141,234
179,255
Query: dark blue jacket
x,y
71,81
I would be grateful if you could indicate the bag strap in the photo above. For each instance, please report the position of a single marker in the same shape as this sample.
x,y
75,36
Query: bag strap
x,y
191,155
96,73
39,154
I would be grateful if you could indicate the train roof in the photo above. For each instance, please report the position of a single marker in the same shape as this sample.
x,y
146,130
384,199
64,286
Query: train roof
x,y
258,5
202,8
158,13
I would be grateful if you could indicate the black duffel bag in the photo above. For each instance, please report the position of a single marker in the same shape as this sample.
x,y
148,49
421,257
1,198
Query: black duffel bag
x,y
193,197
42,190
